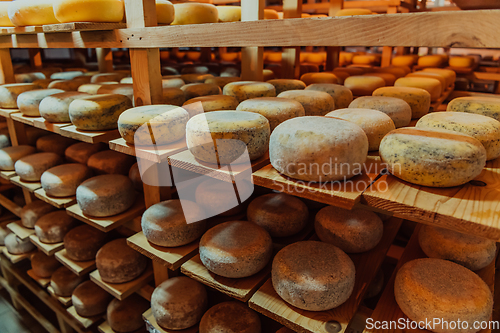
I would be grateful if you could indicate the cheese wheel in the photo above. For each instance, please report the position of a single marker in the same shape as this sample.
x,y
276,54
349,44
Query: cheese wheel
x,y
435,289
236,249
341,95
173,83
30,168
103,77
317,58
310,78
10,92
281,85
230,317
330,275
44,266
270,14
233,132
450,76
153,124
436,76
229,13
341,76
461,62
486,106
33,211
433,60
217,197
64,282
164,12
110,162
16,245
28,77
9,155
388,78
376,124
365,59
80,152
118,88
275,109
105,195
53,143
268,74
66,85
28,12
280,214
99,112
62,180
212,103
68,75
362,85
195,78
83,242
353,231
403,60
51,228
433,86
315,103
230,56
398,110
92,88
3,233
418,99
4,16
243,90
179,303
430,157
55,108
396,71
483,128
126,315
90,300
43,83
350,70
353,11
173,96
89,10
222,81
299,145
192,90
195,13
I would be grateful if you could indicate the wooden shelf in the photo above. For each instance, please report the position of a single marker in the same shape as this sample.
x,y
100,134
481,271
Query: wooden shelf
x,y
82,26
155,154
43,282
30,186
15,258
23,119
7,112
105,328
153,326
123,290
78,267
48,249
85,322
7,174
56,202
435,106
66,301
88,136
40,122
20,231
21,30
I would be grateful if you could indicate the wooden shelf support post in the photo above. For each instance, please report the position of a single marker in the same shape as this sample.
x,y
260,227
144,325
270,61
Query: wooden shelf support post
x,y
252,58
104,60
6,69
387,50
290,61
35,58
333,52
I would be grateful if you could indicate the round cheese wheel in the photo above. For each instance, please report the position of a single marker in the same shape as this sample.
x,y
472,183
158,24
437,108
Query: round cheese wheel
x,y
353,11
230,317
16,245
403,60
89,11
105,195
179,303
418,99
31,167
92,88
106,77
222,81
433,86
270,14
126,316
242,90
135,176
433,60
66,85
397,109
173,223
153,124
90,300
350,70
52,227
64,282
281,85
341,76
53,143
236,249
310,78
467,250
83,242
98,112
229,13
164,11
280,214
173,96
233,132
428,289
110,162
218,197
436,76
397,72
449,75
213,103
80,152
195,13
27,12
28,77
10,92
119,263
43,265
376,124
353,231
486,106
461,62
318,149
33,211
55,108
3,233
431,157
195,78
341,95
120,89
315,103
330,275
387,77
62,180
192,90
4,16
68,75
363,85
10,155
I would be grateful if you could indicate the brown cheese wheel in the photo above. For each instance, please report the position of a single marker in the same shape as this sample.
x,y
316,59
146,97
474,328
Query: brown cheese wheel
x,y
126,316
43,265
30,168
53,143
62,180
10,155
52,227
119,263
83,242
16,245
90,300
64,281
33,211
80,152
110,162
230,317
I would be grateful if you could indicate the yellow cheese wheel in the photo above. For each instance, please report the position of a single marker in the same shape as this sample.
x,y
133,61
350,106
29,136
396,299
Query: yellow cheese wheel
x,y
365,59
165,12
350,70
228,56
66,85
433,60
418,99
450,76
243,90
388,78
398,110
195,13
353,11
310,78
229,13
213,103
286,84
433,86
89,10
105,77
4,16
315,103
403,60
341,75
396,71
341,95
121,89
345,58
436,76
487,106
270,14
193,90
363,85
10,92
317,58
28,12
221,81
461,62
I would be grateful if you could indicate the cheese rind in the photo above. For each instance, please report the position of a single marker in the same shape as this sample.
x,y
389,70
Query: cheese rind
x,y
229,13
433,86
315,103
192,90
27,77
28,12
341,95
286,84
55,108
66,85
310,78
62,180
80,152
195,13
432,75
432,60
398,110
242,90
10,155
173,96
4,16
486,106
64,282
10,92
126,315
118,88
461,62
30,168
52,227
29,101
165,12
418,99
83,242
222,81
213,103
44,266
387,77
450,76
90,300
362,85
15,245
32,212
89,10
195,77
403,60
110,162
53,143
230,317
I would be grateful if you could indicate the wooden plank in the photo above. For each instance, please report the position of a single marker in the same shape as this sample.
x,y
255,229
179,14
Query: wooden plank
x,y
20,231
89,136
35,58
43,282
123,290
155,154
30,186
78,267
15,258
153,327
22,118
7,112
7,174
32,29
56,202
40,122
85,322
10,205
104,60
105,328
252,59
48,249
82,26
6,69
66,301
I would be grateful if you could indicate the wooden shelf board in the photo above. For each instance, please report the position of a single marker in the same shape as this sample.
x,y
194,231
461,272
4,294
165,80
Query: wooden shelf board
x,y
267,301
40,122
78,267
7,174
108,223
23,119
171,257
85,322
153,326
48,249
56,202
43,282
7,112
88,136
30,186
82,26
66,301
123,290
105,328
155,154
435,105
20,231
15,258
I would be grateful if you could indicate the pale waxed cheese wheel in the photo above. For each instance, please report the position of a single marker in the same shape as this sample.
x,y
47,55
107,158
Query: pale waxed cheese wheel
x,y
362,85
105,195
64,282
110,162
28,77
229,13
89,10
66,85
192,90
315,103
298,144
126,315
4,16
450,76
230,317
376,124
153,124
195,78
467,250
173,223
90,300
431,157
233,133
62,180
55,108
179,303
213,103
341,95
433,86
69,75
9,155
16,245
280,214
428,289
30,168
353,231
33,211
43,265
195,13
235,249
330,275
117,88
275,109
52,227
98,112
432,60
286,84
418,99
218,197
242,90
222,81
83,242
397,109
53,143
486,106
310,78
484,129
27,12
10,92
81,152
173,96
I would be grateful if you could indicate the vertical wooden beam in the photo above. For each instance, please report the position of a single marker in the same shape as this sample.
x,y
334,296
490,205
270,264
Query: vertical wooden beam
x,y
252,63
206,54
335,6
13,283
64,327
104,60
17,132
290,61
35,58
401,50
387,50
161,272
333,52
6,69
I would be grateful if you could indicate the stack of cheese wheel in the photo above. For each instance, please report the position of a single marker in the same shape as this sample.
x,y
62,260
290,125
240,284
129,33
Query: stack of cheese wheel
x,y
16,245
418,99
10,155
27,12
195,13
210,103
64,282
52,227
83,242
281,85
486,106
55,108
119,263
81,152
30,168
315,103
230,317
110,162
53,143
90,300
243,90
33,211
126,315
10,92
43,265
397,109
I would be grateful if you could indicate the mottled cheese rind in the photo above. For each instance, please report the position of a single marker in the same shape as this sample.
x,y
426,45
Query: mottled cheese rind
x,y
418,99
110,162
486,106
287,84
52,227
388,78
310,78
83,242
214,103
30,168
80,152
90,300
242,90
126,315
89,10
9,155
28,12
28,77
450,76
341,95
32,212
10,92
55,108
192,90
4,16
433,86
222,81
195,13
429,157
315,103
397,109
362,85
29,101
62,180
66,75
173,96
66,85
195,77
118,88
